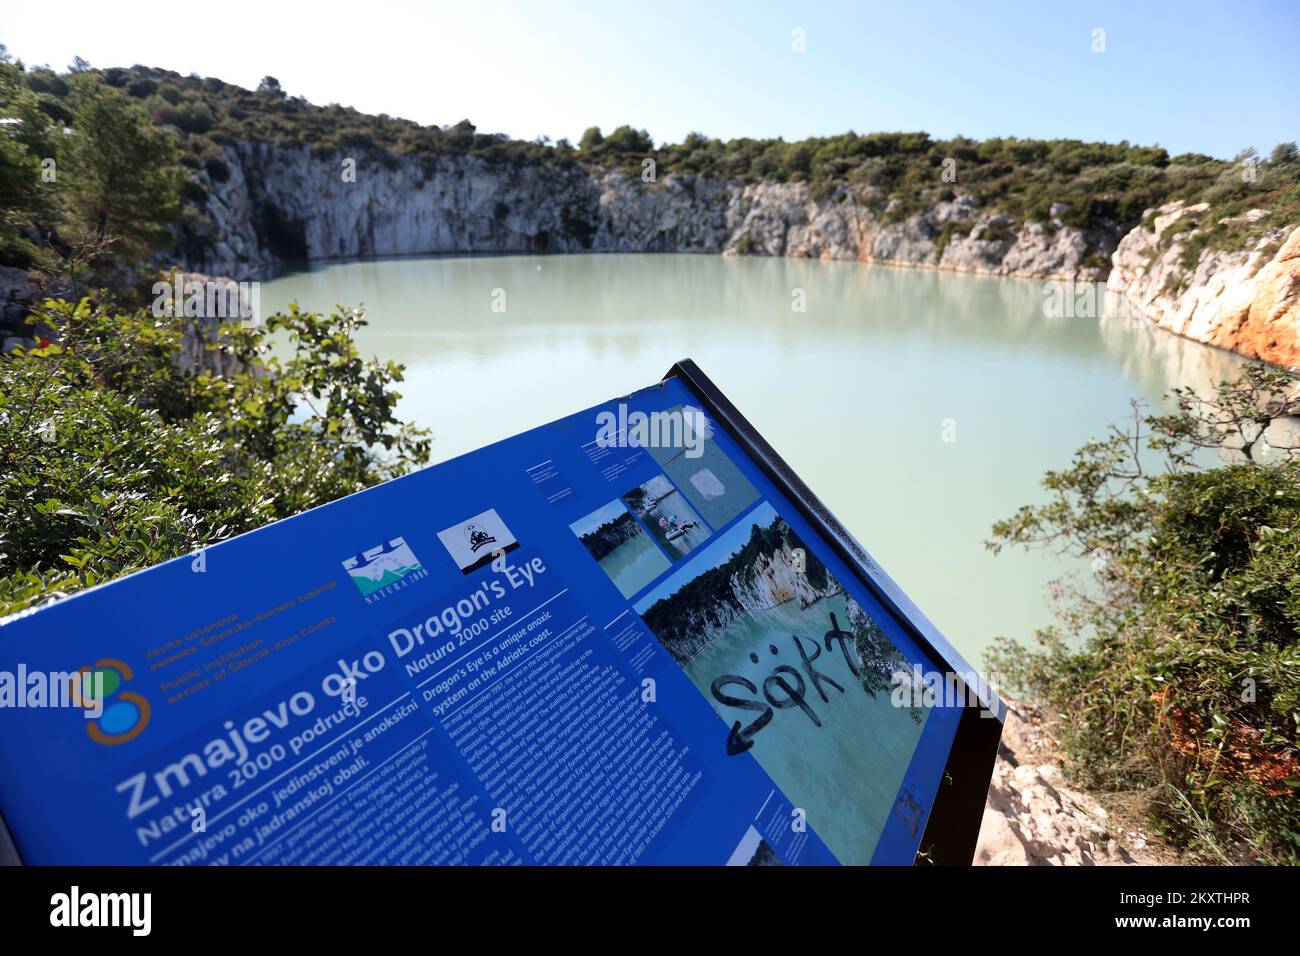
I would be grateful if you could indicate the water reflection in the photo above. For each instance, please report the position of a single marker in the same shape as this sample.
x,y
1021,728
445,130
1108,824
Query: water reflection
x,y
922,406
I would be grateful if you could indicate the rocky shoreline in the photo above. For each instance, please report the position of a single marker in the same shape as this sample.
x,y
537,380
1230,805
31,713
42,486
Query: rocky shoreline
x,y
1034,818
758,578
276,205
269,206
1246,300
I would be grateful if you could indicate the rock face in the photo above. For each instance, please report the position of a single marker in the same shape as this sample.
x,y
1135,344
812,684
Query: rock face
x,y
758,578
283,204
771,581
275,204
17,292
1245,300
1033,818
212,301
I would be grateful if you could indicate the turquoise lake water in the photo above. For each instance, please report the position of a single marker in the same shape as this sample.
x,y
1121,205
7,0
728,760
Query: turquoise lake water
x,y
634,564
860,394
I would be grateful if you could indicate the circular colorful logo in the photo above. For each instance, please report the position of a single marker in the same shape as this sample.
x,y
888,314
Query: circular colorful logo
x,y
125,713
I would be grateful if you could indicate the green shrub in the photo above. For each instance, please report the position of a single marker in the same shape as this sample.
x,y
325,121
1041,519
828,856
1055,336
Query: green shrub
x,y
1183,684
997,232
951,230
114,457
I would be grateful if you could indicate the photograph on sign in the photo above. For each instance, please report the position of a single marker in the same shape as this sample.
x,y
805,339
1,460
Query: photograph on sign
x,y
798,671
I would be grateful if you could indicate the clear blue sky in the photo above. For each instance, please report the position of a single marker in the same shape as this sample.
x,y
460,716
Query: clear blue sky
x,y
1211,77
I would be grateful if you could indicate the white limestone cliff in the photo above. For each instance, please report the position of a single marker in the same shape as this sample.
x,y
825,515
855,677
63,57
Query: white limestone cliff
x,y
1245,300
280,204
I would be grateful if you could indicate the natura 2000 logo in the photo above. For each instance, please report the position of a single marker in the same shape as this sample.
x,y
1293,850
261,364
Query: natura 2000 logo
x,y
384,569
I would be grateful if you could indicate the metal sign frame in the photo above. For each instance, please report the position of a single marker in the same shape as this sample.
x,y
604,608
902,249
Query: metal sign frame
x,y
952,830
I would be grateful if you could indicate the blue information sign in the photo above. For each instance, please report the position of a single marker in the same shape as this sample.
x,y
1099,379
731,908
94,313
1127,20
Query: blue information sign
x,y
629,636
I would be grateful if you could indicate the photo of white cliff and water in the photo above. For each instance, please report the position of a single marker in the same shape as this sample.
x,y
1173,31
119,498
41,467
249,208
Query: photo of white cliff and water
x,y
1013,289
797,671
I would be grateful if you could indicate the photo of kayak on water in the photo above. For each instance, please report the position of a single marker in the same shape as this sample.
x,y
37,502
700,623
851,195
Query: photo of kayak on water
x,y
799,673
664,511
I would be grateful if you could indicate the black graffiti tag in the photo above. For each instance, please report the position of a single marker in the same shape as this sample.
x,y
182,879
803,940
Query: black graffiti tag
x,y
741,740
784,688
845,638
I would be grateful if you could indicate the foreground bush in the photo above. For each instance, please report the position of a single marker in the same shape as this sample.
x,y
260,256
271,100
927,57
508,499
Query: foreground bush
x,y
115,456
1185,685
